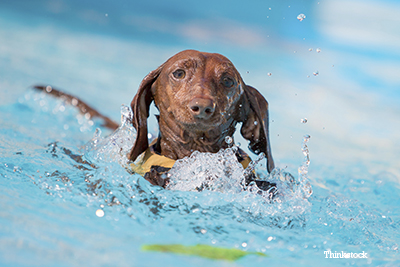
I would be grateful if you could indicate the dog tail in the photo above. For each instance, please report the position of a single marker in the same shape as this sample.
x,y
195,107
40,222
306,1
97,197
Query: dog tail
x,y
81,105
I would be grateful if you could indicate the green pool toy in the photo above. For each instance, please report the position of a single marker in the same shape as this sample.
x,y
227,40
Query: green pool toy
x,y
205,251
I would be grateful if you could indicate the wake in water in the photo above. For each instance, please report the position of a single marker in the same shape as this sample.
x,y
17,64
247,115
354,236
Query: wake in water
x,y
215,172
205,183
100,175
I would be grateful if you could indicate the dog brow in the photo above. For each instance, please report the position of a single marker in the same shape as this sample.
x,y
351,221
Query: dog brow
x,y
225,67
191,63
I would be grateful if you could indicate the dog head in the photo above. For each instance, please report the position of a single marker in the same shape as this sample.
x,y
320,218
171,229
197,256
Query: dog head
x,y
199,92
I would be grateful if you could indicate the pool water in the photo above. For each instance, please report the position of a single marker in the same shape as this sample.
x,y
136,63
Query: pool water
x,y
67,195
57,172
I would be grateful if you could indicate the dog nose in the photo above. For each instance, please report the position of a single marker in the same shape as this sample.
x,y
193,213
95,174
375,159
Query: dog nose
x,y
201,108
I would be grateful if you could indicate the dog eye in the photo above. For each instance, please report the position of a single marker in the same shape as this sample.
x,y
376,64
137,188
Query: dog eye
x,y
179,74
228,82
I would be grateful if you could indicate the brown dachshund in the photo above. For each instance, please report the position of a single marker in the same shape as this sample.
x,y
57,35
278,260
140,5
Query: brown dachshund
x,y
201,97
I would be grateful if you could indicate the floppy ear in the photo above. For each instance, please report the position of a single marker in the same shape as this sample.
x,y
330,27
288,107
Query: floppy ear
x,y
256,123
140,107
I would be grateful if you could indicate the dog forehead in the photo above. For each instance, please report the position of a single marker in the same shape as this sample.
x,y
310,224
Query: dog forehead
x,y
200,59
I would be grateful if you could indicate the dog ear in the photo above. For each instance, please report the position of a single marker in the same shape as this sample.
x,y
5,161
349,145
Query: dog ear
x,y
256,123
140,107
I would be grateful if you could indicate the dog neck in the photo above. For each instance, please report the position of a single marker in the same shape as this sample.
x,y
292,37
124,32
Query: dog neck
x,y
176,142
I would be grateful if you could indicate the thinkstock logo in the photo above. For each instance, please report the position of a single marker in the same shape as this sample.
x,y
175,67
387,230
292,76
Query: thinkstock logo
x,y
345,255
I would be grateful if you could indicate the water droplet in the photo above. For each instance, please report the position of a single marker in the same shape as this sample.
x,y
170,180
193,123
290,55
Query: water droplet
x,y
17,169
255,122
269,8
316,73
106,15
304,120
244,244
149,136
229,140
318,50
269,73
203,231
97,133
310,49
248,71
49,89
100,213
74,102
270,238
126,114
301,17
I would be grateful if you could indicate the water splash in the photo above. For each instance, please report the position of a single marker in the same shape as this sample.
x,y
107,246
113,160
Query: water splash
x,y
303,169
253,164
229,141
115,147
46,104
219,177
221,172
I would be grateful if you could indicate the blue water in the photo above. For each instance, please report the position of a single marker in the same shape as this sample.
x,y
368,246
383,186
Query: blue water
x,y
57,174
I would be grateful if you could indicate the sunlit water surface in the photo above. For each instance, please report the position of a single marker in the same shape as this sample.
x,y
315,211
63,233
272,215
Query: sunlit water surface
x,y
68,199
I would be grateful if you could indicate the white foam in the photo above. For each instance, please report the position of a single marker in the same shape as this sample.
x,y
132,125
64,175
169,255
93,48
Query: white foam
x,y
219,172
